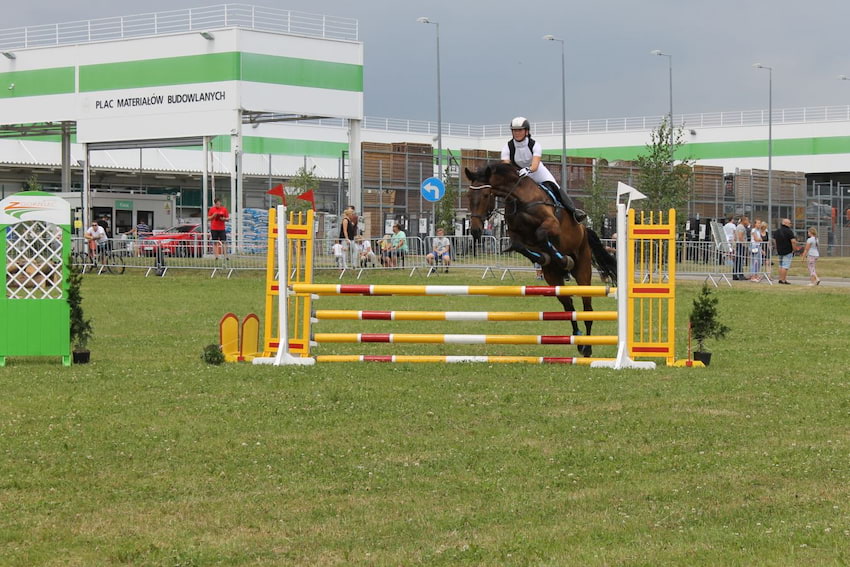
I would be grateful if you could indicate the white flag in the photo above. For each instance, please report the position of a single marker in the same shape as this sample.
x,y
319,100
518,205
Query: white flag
x,y
634,194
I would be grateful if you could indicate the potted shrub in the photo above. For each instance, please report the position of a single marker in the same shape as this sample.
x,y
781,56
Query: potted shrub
x,y
81,330
704,323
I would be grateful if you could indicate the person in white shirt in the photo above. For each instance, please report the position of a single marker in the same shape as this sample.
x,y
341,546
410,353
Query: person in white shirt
x,y
96,237
441,250
525,153
811,254
729,231
339,254
364,251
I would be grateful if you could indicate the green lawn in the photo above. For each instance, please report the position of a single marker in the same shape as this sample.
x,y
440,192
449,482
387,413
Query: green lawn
x,y
147,456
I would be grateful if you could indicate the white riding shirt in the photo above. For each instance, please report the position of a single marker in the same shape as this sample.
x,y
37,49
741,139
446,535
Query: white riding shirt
x,y
523,157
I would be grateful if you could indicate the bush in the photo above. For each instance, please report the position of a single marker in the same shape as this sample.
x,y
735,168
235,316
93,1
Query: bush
x,y
703,318
212,354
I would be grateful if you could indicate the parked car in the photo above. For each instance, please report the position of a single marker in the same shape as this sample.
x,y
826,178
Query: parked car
x,y
178,241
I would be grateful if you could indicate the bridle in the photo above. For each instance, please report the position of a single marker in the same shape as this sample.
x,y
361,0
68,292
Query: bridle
x,y
485,217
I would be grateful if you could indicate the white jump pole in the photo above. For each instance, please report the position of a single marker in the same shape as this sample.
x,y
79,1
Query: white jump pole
x,y
282,357
622,360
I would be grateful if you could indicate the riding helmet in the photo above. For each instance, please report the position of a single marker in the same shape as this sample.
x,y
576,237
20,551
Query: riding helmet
x,y
520,123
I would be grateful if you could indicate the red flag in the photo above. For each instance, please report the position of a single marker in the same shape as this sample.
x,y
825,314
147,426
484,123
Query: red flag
x,y
309,197
278,190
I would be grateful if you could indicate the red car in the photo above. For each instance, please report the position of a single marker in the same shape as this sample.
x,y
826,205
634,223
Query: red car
x,y
179,241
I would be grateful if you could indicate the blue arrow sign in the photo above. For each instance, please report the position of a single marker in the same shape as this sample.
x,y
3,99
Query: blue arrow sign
x,y
433,189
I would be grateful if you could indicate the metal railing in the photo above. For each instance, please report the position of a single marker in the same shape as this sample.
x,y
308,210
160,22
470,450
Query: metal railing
x,y
693,258
605,125
180,21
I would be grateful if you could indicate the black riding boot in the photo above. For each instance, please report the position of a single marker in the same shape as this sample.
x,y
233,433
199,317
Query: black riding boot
x,y
578,214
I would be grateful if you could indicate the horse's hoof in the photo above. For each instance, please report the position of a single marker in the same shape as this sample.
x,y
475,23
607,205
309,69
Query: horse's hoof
x,y
586,351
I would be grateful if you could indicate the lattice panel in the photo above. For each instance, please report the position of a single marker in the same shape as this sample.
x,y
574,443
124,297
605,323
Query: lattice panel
x,y
34,261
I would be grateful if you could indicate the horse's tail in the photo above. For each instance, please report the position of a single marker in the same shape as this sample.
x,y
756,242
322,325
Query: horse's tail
x,y
602,260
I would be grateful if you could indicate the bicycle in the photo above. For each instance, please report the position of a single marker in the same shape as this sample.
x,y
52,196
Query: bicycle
x,y
100,258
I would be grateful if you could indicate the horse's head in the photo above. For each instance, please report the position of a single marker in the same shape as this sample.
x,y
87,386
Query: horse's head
x,y
482,200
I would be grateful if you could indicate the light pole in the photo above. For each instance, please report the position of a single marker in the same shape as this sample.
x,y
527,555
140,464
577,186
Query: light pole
x,y
425,20
669,57
769,144
549,37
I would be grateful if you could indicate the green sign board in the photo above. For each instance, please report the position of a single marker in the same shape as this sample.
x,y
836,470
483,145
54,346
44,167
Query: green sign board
x,y
124,205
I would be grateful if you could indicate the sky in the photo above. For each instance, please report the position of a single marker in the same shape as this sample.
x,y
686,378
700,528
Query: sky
x,y
495,64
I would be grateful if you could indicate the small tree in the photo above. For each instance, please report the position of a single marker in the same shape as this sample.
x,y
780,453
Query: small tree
x,y
445,208
600,196
303,181
703,318
665,183
32,184
81,329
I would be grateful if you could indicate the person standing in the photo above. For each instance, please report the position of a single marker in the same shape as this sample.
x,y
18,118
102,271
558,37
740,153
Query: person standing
x,y
811,254
786,243
740,248
96,237
140,232
217,217
339,255
756,239
526,154
348,231
729,231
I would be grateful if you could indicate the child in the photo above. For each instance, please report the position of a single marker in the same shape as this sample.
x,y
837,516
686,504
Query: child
x,y
339,254
811,254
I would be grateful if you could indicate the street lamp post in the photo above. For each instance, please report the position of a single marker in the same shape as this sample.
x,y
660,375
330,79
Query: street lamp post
x,y
549,37
769,144
669,57
425,20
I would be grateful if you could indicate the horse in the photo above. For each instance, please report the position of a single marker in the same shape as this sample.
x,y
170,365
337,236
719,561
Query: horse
x,y
541,230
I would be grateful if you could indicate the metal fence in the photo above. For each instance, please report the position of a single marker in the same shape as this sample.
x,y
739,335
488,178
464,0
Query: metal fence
x,y
484,259
180,21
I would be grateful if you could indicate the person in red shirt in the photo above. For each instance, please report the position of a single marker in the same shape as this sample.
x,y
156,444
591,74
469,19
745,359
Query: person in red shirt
x,y
217,216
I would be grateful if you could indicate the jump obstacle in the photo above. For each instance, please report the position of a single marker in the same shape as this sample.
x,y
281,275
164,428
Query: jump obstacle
x,y
645,312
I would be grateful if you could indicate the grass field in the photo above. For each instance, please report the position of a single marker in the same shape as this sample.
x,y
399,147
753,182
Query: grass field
x,y
147,456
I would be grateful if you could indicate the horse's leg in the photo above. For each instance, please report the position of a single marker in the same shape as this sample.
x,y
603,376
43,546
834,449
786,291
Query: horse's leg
x,y
583,272
535,257
548,234
554,276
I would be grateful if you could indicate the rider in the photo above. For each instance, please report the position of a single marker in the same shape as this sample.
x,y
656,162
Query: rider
x,y
525,153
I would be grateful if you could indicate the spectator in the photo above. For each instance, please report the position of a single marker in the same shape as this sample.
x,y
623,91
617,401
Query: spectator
x,y
104,223
756,253
218,215
786,244
364,251
538,271
740,248
139,232
348,231
398,246
441,250
729,231
96,237
339,254
811,254
385,247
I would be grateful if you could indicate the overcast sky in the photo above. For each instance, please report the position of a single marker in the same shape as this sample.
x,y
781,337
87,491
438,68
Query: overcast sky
x,y
495,64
